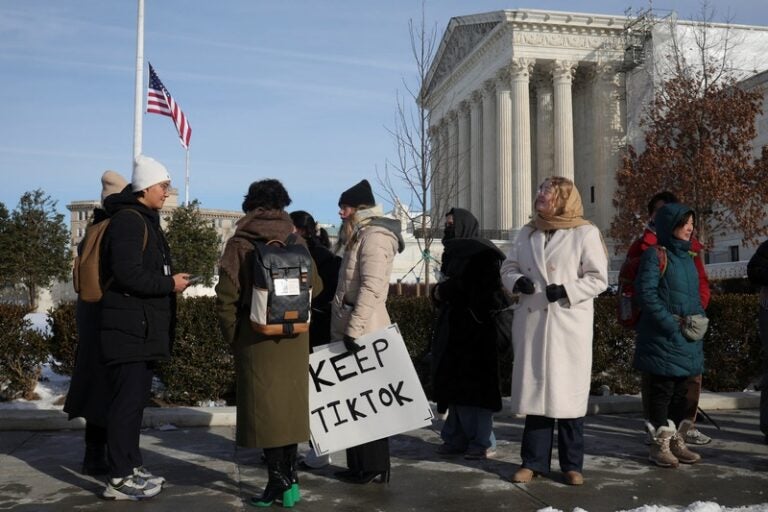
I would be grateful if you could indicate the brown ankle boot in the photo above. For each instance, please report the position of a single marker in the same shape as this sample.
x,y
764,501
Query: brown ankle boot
x,y
660,454
677,445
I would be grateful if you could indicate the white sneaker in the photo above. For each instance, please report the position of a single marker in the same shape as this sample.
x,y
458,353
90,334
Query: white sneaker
x,y
130,488
694,436
144,473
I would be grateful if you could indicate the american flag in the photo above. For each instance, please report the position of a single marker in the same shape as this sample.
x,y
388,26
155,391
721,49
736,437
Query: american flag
x,y
159,101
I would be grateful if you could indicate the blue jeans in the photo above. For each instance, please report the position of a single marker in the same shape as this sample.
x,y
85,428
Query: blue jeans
x,y
469,428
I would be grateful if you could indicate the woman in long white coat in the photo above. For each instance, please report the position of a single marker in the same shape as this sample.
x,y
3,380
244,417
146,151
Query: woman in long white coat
x,y
557,264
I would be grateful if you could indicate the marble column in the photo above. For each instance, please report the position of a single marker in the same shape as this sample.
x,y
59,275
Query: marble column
x,y
521,203
434,167
452,178
562,79
464,145
504,196
442,178
488,221
608,131
476,155
545,134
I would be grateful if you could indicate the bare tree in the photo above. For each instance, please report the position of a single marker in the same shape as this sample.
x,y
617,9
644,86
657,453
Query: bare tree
x,y
420,166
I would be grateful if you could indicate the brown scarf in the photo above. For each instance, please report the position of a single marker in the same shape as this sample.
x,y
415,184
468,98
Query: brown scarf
x,y
572,216
256,225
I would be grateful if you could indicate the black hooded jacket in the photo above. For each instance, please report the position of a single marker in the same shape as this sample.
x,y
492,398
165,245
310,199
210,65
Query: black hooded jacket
x,y
466,345
139,306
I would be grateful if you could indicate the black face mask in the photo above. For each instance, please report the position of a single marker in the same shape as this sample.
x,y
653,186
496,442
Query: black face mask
x,y
449,232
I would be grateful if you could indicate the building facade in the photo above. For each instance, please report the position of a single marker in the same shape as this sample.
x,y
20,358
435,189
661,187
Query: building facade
x,y
516,96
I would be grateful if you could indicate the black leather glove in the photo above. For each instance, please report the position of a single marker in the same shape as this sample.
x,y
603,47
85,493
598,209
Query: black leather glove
x,y
524,285
556,292
351,346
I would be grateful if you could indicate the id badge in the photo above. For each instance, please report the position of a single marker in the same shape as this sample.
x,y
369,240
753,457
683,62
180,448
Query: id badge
x,y
287,287
167,270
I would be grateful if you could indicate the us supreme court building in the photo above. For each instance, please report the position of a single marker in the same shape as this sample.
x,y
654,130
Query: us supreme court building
x,y
518,95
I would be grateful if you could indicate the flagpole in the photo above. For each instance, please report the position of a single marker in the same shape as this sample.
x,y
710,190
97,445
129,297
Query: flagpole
x,y
138,102
186,179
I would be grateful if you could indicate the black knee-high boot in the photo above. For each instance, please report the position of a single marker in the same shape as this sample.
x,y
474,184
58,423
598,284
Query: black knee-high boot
x,y
279,484
290,458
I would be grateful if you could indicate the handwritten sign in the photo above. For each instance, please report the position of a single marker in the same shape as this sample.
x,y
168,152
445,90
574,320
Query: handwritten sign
x,y
361,397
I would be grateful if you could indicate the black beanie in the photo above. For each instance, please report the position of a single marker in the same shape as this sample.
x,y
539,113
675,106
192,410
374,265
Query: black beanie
x,y
360,194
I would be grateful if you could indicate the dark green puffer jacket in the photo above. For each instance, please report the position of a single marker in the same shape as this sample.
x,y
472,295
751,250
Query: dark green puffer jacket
x,y
661,348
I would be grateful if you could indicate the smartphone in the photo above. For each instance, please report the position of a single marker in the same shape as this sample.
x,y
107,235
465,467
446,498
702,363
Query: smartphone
x,y
194,279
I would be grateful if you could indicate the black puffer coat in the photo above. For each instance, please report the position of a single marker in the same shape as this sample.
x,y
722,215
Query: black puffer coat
x,y
139,307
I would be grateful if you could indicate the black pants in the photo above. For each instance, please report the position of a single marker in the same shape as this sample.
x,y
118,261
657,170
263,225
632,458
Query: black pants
x,y
95,435
130,386
536,448
693,394
667,399
370,457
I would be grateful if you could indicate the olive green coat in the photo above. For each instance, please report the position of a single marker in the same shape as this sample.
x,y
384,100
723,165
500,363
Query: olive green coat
x,y
271,373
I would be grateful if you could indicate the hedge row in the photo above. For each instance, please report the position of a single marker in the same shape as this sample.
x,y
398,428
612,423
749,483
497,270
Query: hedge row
x,y
23,350
202,368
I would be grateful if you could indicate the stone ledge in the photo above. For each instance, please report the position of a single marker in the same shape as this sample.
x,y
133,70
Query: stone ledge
x,y
183,417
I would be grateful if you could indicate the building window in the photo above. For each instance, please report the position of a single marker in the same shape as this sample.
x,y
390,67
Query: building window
x,y
592,194
734,252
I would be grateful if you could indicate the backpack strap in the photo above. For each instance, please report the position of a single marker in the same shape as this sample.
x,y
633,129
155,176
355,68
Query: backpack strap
x,y
143,245
146,233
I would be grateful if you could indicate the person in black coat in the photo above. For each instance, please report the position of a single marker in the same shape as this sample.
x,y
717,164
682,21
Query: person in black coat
x,y
87,396
757,272
138,312
327,265
467,342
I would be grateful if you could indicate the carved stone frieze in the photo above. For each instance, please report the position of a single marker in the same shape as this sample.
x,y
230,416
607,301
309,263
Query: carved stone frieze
x,y
566,37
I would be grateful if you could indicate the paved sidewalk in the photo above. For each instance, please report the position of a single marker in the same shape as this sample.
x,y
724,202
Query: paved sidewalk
x,y
206,472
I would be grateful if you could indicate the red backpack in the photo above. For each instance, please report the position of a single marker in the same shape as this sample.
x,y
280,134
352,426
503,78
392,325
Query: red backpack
x,y
627,308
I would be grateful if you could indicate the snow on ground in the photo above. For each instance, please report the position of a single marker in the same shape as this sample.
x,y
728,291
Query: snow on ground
x,y
699,506
51,387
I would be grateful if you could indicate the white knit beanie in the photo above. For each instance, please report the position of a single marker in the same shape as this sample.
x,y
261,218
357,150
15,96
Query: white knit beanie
x,y
147,172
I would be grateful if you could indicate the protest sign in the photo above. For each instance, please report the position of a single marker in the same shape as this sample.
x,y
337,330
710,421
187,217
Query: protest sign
x,y
361,397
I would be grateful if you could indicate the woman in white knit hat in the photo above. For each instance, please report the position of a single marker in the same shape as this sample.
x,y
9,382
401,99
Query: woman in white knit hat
x,y
138,309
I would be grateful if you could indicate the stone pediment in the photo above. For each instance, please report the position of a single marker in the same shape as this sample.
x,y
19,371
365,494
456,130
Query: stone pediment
x,y
462,36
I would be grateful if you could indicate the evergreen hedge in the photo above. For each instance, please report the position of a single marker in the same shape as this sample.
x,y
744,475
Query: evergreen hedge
x,y
202,368
23,350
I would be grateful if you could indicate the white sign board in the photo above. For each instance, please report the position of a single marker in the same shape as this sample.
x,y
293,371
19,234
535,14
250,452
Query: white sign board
x,y
358,398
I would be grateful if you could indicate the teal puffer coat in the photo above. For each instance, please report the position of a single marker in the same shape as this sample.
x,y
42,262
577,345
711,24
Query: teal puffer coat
x,y
661,348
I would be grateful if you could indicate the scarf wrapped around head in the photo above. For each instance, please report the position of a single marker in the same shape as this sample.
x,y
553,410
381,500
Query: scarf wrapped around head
x,y
572,215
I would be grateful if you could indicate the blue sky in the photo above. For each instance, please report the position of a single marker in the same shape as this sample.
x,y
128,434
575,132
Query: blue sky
x,y
299,90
